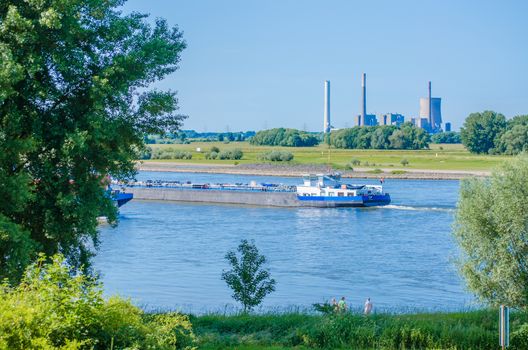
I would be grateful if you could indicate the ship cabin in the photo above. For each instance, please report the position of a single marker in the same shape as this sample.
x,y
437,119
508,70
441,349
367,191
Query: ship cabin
x,y
330,185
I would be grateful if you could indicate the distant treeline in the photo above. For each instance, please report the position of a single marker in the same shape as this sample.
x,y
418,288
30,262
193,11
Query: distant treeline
x,y
446,137
406,136
185,136
490,132
285,137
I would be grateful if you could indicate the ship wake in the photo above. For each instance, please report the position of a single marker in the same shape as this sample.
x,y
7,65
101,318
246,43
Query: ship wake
x,y
418,208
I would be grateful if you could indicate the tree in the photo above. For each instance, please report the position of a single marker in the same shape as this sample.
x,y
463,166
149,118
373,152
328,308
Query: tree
x,y
247,278
74,109
284,137
481,130
491,229
446,137
514,141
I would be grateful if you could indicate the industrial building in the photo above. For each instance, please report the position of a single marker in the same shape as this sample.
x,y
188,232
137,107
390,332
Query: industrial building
x,y
429,118
430,109
392,119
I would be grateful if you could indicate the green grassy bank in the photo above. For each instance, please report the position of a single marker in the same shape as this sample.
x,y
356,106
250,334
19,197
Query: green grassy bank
x,y
464,330
439,157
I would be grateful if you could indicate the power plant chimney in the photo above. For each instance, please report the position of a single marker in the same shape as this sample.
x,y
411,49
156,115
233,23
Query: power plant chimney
x,y
327,125
431,125
364,101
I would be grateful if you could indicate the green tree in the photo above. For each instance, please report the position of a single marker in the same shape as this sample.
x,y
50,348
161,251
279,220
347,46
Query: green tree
x,y
74,108
480,131
446,137
247,278
514,141
492,231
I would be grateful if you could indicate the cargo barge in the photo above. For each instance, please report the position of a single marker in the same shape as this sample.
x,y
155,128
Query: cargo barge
x,y
322,190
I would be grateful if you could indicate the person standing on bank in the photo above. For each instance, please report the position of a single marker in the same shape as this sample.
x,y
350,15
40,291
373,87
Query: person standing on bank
x,y
368,307
342,305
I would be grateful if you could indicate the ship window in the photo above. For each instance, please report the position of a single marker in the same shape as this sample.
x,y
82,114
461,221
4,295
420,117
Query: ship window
x,y
340,194
350,194
330,194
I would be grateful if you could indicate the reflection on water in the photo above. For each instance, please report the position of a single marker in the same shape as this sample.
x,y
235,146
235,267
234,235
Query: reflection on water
x,y
170,255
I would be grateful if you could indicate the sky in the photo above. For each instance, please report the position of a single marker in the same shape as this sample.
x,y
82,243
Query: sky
x,y
259,64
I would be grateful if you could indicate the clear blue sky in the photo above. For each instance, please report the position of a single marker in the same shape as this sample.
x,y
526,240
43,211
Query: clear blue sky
x,y
254,64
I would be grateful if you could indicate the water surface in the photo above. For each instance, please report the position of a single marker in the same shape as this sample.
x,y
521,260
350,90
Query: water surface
x,y
171,255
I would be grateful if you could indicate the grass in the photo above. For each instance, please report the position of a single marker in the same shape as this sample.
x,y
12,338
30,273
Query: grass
x,y
460,330
439,157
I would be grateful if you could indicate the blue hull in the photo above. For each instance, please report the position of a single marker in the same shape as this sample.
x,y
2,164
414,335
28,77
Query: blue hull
x,y
355,201
121,198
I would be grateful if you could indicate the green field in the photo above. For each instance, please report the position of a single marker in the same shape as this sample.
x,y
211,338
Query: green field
x,y
460,330
439,157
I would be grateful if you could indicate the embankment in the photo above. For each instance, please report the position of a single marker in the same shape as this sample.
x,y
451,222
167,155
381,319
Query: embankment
x,y
266,169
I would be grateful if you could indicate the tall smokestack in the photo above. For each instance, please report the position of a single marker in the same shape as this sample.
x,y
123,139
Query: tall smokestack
x,y
364,101
430,109
326,126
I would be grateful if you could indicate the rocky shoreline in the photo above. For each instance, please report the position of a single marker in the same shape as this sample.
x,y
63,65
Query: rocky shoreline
x,y
298,170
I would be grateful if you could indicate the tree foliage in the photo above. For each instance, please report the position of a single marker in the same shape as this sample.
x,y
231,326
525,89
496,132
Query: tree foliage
x,y
284,137
54,308
247,278
407,136
74,109
481,130
492,231
446,137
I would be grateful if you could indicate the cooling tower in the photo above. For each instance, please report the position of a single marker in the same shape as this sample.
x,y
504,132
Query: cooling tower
x,y
435,106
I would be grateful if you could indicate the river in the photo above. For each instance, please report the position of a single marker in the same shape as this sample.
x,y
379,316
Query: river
x,y
166,255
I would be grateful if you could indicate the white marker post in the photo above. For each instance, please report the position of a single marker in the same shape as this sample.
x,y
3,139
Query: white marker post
x,y
504,327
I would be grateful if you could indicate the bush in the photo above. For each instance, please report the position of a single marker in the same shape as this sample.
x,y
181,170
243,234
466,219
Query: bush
x,y
215,149
170,153
276,156
211,155
53,308
355,162
375,171
146,153
235,154
519,338
404,162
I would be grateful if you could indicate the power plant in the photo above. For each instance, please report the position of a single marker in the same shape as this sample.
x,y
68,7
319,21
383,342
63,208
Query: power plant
x,y
429,118
431,111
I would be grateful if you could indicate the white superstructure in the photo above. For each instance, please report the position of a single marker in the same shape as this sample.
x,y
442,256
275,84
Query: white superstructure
x,y
321,185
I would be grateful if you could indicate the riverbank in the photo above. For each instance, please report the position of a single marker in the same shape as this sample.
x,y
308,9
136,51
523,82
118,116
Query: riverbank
x,y
461,330
298,170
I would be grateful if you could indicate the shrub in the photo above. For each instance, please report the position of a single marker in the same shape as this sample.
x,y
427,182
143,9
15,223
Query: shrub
x,y
145,153
211,155
376,171
404,162
355,162
235,154
519,338
182,155
215,149
398,172
276,156
53,308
